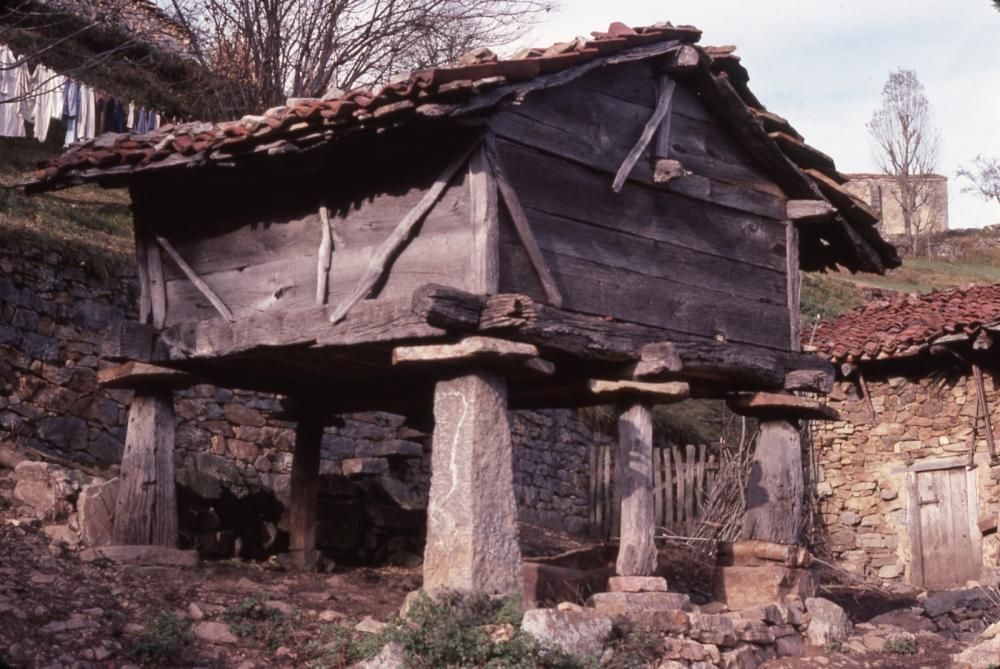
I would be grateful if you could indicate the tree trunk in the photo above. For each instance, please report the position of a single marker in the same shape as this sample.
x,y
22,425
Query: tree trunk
x,y
472,542
774,492
146,509
634,480
304,487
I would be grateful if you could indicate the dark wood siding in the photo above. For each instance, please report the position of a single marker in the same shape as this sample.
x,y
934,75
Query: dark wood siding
x,y
703,256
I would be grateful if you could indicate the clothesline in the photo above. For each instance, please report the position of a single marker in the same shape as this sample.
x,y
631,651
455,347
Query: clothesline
x,y
42,95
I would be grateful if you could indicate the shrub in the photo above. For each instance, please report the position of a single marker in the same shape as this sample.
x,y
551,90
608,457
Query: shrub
x,y
900,645
253,619
163,641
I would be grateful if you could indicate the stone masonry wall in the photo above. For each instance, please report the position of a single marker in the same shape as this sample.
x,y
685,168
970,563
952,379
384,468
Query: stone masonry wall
x,y
53,317
862,500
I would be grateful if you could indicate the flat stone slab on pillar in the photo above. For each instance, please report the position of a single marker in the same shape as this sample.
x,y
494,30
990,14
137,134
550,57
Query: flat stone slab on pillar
x,y
745,587
637,584
620,603
472,542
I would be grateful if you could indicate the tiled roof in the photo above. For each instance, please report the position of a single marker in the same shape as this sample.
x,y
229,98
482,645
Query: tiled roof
x,y
480,81
907,324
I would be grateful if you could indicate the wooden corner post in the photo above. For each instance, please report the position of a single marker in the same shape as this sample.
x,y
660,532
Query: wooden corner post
x,y
304,488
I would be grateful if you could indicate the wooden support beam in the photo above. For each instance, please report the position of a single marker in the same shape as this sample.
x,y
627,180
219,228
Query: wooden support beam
x,y
324,255
867,397
485,224
152,287
984,407
304,489
809,211
657,362
193,277
146,508
683,61
793,286
809,380
634,483
522,226
777,405
143,375
774,491
662,111
382,260
849,204
659,393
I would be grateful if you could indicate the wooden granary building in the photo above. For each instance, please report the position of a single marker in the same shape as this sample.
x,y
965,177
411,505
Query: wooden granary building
x,y
612,219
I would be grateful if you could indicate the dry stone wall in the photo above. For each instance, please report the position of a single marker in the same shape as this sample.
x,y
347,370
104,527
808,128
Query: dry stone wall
x,y
861,492
53,317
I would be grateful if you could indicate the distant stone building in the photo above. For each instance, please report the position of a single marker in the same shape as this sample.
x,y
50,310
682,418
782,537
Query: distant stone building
x,y
880,191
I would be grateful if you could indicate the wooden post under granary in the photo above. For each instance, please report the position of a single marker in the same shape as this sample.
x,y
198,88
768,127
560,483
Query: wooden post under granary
x,y
146,509
472,540
774,492
634,480
304,487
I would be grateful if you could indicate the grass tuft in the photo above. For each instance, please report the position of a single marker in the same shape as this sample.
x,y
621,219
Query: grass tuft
x,y
163,642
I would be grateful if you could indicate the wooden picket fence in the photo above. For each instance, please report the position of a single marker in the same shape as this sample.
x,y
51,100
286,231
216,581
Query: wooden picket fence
x,y
682,475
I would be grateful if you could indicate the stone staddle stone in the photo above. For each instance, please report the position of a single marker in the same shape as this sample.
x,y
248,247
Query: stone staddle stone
x,y
472,542
745,587
637,584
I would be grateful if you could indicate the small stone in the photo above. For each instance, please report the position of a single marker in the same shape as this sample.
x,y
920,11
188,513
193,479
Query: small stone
x,y
195,612
329,616
637,584
579,634
829,624
369,625
214,632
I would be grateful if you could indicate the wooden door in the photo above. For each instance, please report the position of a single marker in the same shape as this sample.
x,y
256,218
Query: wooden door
x,y
946,544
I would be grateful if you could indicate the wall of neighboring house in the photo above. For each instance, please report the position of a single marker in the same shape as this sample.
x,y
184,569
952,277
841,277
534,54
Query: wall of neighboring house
x,y
862,500
882,194
54,315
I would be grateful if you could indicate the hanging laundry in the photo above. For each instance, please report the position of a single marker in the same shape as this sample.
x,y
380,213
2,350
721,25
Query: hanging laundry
x,y
71,109
48,100
11,124
130,119
86,124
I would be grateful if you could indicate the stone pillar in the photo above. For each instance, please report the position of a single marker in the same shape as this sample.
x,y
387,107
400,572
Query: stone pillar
x,y
146,509
634,481
472,541
775,489
304,488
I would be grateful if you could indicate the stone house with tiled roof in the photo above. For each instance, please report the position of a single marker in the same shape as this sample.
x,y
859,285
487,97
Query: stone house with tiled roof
x,y
882,195
908,482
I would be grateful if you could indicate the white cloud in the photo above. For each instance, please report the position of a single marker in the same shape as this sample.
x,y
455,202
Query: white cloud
x,y
822,65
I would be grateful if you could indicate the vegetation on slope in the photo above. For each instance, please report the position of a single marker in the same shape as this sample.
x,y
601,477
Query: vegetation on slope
x,y
87,225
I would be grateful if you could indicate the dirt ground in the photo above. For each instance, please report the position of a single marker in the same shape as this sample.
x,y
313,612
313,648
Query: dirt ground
x,y
59,612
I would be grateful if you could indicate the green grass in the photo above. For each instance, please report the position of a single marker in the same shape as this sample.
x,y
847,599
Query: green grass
x,y
163,642
88,225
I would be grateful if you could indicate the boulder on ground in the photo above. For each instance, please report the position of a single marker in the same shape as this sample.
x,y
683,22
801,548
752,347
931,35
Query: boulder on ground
x,y
96,509
906,619
50,490
949,600
980,656
829,623
392,656
576,633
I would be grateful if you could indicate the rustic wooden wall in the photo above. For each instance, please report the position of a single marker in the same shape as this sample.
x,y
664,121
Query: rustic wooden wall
x,y
254,240
703,256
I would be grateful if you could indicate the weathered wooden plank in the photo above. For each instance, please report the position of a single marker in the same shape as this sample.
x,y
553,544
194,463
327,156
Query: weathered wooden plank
x,y
324,255
484,206
657,362
913,523
146,508
680,474
657,472
935,528
810,211
699,478
636,548
287,283
592,500
591,288
196,280
774,491
524,229
793,287
542,180
625,251
669,487
590,132
142,270
850,205
801,153
691,485
662,110
381,262
304,487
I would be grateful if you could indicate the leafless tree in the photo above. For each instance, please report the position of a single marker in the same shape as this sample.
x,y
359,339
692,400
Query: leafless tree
x,y
905,146
274,49
983,177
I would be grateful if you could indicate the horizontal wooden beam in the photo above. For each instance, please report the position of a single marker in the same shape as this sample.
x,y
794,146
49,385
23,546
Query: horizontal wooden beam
x,y
778,405
143,375
810,211
661,393
657,362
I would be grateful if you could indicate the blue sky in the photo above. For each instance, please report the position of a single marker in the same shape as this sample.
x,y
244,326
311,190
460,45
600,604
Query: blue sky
x,y
822,65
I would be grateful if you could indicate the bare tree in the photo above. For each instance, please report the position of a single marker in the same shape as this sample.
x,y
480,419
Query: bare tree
x,y
274,49
984,177
905,146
